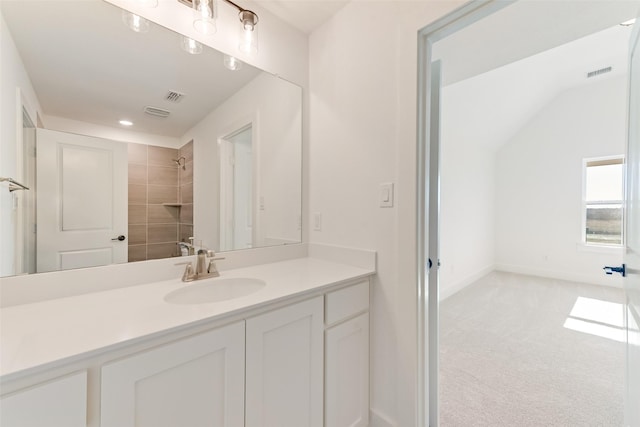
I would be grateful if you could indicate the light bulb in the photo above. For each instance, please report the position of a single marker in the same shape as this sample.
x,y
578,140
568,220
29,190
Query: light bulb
x,y
232,63
135,22
191,46
248,32
204,16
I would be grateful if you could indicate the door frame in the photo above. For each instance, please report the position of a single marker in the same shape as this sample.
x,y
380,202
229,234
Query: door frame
x,y
428,195
224,146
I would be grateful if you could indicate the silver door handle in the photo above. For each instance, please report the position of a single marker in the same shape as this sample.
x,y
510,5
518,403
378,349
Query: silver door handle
x,y
119,238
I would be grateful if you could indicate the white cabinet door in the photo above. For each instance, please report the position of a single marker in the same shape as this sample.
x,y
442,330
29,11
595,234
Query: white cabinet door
x,y
284,367
61,402
347,374
197,381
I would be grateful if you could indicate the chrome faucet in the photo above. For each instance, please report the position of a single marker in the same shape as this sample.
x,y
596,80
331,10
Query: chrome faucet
x,y
203,271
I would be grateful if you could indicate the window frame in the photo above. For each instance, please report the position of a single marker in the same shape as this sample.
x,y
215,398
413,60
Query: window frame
x,y
606,160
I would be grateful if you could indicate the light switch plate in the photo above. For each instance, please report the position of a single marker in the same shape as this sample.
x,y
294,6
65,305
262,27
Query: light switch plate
x,y
386,195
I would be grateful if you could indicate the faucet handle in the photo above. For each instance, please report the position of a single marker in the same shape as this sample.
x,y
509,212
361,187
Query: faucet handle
x,y
187,276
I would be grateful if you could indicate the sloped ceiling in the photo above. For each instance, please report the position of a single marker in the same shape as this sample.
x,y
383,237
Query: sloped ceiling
x,y
489,108
305,15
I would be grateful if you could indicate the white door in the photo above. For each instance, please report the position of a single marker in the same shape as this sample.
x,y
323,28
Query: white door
x,y
82,201
194,382
632,232
285,366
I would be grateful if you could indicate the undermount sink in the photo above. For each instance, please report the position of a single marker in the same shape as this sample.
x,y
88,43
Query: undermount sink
x,y
214,290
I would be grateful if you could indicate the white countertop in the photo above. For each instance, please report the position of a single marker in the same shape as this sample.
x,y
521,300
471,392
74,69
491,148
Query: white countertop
x,y
54,331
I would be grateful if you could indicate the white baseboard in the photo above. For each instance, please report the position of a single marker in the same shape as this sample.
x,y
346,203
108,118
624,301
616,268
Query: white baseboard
x,y
450,290
610,281
376,419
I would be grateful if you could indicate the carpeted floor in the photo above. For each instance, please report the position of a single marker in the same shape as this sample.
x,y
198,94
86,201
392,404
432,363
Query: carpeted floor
x,y
507,358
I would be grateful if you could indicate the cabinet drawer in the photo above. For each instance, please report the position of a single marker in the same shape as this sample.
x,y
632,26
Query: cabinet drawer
x,y
346,302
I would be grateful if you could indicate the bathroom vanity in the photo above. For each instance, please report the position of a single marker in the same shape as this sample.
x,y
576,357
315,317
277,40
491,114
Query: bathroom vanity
x,y
293,352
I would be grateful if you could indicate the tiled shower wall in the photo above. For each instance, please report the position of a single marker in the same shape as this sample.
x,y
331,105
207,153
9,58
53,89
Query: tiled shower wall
x,y
154,210
185,193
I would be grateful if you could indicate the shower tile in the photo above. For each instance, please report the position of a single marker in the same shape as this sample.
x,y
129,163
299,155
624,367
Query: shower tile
x,y
162,233
186,174
137,194
137,253
137,234
137,174
161,156
159,214
159,194
186,231
137,153
137,214
159,175
186,193
187,151
162,250
186,214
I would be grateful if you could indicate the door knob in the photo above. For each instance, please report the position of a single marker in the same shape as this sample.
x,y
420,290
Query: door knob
x,y
119,238
610,270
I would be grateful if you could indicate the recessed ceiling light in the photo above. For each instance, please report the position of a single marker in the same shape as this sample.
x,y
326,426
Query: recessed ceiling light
x,y
126,123
628,23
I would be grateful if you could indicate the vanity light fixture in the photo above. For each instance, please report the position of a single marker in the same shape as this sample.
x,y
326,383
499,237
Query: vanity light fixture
x,y
232,63
205,15
191,46
204,12
126,122
248,32
135,22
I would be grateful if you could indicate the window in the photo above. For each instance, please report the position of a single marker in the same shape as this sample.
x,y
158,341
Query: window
x,y
602,200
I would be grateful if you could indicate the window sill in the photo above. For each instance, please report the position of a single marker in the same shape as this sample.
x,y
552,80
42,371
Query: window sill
x,y
600,249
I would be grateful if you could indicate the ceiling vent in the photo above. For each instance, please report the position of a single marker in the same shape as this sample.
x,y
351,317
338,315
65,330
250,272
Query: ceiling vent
x,y
155,111
174,96
599,72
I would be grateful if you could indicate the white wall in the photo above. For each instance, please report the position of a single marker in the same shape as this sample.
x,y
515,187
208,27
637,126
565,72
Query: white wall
x,y
13,78
83,128
273,105
539,183
467,188
362,133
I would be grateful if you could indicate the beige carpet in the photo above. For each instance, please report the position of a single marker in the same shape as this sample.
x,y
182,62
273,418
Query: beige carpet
x,y
506,358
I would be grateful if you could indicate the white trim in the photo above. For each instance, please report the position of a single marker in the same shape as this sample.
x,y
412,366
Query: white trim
x,y
600,249
604,280
461,284
250,120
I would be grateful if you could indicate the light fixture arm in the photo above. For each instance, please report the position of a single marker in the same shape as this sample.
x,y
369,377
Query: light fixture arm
x,y
248,18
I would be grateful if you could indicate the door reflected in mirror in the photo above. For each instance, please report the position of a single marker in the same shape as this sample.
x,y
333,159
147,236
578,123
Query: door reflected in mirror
x,y
137,138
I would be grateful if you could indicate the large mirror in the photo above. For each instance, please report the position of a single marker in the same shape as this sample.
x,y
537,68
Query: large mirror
x,y
136,145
